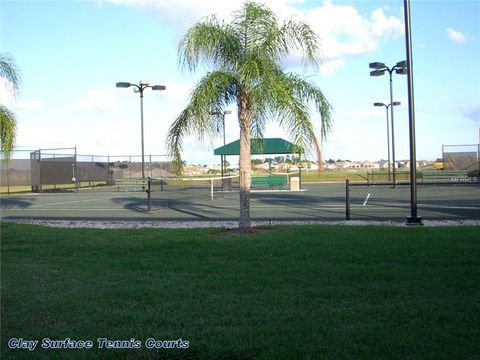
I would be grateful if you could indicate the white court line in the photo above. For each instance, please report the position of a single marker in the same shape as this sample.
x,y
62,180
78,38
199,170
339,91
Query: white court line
x,y
368,197
72,209
73,202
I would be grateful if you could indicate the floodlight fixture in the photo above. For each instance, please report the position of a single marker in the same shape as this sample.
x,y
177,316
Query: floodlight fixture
x,y
377,72
394,103
123,84
377,65
142,85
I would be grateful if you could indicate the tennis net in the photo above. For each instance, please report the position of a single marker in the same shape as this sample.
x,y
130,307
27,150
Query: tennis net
x,y
169,192
119,185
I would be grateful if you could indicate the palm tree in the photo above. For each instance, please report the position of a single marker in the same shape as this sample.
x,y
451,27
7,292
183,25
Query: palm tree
x,y
8,123
245,60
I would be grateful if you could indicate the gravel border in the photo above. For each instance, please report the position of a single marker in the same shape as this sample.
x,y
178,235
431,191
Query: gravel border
x,y
102,224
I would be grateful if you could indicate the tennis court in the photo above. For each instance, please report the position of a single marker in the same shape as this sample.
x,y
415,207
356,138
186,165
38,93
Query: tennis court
x,y
313,202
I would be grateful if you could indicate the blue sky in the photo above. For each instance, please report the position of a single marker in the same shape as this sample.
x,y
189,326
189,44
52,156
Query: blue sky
x,y
71,54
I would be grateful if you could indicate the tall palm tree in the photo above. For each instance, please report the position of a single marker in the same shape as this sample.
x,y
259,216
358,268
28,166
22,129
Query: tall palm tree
x,y
245,61
8,123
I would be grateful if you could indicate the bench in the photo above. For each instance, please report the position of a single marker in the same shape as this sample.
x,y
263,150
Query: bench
x,y
270,181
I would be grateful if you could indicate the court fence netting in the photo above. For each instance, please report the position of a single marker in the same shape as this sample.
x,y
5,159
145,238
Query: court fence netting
x,y
443,200
461,157
453,192
63,169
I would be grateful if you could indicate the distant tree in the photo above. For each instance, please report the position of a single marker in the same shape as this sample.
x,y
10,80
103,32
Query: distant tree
x,y
8,123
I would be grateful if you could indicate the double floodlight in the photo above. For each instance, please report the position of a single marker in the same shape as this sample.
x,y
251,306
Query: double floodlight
x,y
377,72
380,68
377,65
395,103
143,84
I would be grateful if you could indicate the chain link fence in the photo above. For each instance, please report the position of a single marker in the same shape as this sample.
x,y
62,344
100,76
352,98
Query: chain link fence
x,y
64,169
456,199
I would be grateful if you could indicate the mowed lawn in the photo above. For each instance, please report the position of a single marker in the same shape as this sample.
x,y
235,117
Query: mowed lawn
x,y
287,292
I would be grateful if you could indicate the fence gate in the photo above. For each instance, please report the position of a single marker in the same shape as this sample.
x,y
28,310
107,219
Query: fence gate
x,y
53,168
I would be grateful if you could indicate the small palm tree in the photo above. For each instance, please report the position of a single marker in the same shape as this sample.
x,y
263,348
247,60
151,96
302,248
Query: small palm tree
x,y
245,60
8,123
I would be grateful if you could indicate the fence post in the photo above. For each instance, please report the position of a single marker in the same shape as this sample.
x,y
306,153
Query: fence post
x,y
149,196
347,199
299,178
7,165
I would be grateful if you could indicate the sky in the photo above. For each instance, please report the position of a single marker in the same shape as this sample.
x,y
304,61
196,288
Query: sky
x,y
72,53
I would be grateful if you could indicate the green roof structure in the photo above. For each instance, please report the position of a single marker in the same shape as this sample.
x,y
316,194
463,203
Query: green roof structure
x,y
260,147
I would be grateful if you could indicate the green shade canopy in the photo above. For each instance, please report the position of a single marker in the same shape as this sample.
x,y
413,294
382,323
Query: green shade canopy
x,y
261,146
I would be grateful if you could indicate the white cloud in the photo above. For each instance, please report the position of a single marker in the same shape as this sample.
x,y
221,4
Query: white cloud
x,y
6,92
471,111
177,91
455,35
343,31
27,104
329,67
97,99
8,99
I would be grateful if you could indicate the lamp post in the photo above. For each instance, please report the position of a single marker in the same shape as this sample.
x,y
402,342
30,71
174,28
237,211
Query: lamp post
x,y
395,103
379,70
142,85
222,157
413,219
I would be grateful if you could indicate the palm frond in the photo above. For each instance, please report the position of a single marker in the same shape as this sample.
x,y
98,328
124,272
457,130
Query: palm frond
x,y
288,98
8,126
10,72
308,92
211,95
210,42
298,35
256,27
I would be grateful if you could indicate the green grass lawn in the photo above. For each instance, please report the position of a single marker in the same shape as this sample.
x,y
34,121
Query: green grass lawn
x,y
290,292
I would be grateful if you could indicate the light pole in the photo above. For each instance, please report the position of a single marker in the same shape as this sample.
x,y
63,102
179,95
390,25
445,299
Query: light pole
x,y
142,85
413,219
395,103
379,70
222,157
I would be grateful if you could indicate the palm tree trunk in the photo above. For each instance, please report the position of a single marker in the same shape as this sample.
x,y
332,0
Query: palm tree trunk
x,y
318,150
245,169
